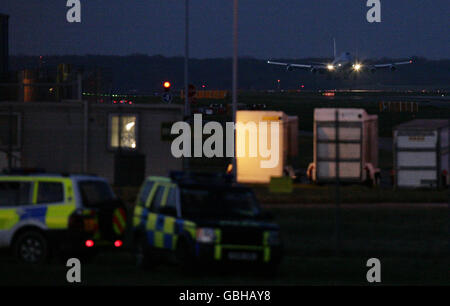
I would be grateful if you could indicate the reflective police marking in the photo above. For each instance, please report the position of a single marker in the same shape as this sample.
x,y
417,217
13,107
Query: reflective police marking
x,y
74,273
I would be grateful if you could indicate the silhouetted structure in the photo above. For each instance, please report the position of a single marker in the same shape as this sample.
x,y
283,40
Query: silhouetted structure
x,y
4,47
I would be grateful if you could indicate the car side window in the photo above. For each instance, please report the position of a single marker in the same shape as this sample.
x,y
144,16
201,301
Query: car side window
x,y
50,192
15,193
157,198
172,198
145,193
170,208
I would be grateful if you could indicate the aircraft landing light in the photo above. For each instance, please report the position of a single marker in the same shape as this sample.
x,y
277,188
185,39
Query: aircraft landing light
x,y
357,67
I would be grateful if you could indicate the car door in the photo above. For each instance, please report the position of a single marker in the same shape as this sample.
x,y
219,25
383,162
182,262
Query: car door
x,y
162,217
54,202
169,209
141,208
175,225
15,202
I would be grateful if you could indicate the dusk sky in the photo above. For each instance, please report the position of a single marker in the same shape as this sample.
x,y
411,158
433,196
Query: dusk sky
x,y
267,28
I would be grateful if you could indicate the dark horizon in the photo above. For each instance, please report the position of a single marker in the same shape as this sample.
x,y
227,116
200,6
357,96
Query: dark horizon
x,y
144,73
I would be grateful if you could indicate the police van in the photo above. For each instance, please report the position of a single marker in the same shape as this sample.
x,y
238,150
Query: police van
x,y
41,214
202,219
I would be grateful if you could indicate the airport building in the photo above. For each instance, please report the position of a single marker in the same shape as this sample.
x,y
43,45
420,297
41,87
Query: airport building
x,y
123,143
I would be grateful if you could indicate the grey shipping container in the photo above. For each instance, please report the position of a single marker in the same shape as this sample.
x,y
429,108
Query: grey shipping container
x,y
421,153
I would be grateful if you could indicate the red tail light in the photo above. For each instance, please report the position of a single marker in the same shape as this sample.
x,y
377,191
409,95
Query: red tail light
x,y
89,243
118,243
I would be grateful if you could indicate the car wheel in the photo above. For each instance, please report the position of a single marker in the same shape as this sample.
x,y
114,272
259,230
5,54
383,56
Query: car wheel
x,y
184,256
142,255
31,247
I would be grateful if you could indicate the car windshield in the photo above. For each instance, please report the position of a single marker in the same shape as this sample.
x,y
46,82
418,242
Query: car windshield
x,y
229,202
95,193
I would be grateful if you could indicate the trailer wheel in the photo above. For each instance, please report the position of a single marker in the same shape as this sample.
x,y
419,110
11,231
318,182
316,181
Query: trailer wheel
x,y
377,179
142,254
372,181
184,256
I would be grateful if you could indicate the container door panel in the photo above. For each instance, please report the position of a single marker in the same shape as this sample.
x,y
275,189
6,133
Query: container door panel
x,y
416,159
416,178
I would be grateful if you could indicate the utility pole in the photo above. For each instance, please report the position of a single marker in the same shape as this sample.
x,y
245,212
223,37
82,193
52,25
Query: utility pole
x,y
235,77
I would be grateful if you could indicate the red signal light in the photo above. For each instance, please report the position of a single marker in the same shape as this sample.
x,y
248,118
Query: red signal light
x,y
89,243
118,243
167,84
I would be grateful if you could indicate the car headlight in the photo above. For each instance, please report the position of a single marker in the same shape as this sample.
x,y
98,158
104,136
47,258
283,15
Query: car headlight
x,y
274,238
206,235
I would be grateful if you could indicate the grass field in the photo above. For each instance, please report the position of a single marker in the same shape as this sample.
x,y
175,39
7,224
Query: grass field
x,y
313,194
411,242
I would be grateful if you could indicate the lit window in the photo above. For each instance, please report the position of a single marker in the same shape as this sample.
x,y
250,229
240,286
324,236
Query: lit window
x,y
127,129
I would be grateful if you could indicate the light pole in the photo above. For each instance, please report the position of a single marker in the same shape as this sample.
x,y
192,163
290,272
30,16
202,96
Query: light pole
x,y
235,76
186,59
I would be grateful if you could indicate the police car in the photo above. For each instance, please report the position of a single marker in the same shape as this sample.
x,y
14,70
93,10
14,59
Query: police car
x,y
42,213
202,219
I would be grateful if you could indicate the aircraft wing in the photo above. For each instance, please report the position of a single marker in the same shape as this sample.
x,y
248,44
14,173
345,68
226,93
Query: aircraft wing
x,y
390,65
291,66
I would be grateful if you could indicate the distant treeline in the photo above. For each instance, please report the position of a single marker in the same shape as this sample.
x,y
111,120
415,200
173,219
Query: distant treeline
x,y
143,74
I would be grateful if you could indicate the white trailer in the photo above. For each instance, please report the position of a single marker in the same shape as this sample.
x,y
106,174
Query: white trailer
x,y
249,169
421,153
357,142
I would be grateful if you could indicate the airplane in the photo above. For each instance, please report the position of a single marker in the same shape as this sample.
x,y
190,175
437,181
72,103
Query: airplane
x,y
344,64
